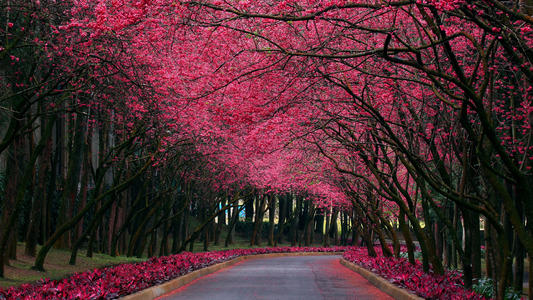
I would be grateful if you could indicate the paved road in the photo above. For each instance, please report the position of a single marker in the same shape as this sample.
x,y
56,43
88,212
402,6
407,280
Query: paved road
x,y
291,277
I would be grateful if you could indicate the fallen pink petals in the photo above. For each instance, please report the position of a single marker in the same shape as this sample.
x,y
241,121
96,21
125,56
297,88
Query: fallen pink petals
x,y
114,282
411,277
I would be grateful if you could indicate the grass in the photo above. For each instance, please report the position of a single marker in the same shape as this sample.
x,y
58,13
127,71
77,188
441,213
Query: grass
x,y
56,265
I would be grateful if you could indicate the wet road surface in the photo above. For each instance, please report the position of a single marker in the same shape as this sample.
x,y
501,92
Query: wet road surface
x,y
290,277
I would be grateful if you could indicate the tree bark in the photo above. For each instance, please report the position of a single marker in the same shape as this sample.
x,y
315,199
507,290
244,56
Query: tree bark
x,y
309,230
271,219
295,221
282,218
234,220
260,211
39,261
7,224
325,239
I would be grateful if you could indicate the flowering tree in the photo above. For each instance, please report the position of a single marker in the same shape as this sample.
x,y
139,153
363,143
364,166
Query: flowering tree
x,y
390,112
405,66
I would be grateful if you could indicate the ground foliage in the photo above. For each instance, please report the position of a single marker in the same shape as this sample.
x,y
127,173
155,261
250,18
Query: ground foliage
x,y
121,280
411,277
117,281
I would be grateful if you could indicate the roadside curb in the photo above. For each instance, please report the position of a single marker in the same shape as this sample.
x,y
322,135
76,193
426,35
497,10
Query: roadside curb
x,y
381,283
159,290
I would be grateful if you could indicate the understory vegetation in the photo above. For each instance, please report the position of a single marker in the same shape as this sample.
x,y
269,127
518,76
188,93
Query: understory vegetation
x,y
146,128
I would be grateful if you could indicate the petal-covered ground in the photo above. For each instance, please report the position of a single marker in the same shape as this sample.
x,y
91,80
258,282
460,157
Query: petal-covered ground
x,y
411,277
121,280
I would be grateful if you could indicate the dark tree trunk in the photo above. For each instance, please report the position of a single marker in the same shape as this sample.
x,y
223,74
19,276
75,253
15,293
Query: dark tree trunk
x,y
8,223
282,218
221,222
344,228
39,201
84,189
163,248
260,210
334,230
152,246
369,241
249,210
70,190
295,221
14,184
319,223
407,238
271,217
356,232
139,233
176,227
112,224
325,237
309,230
206,236
231,227
476,245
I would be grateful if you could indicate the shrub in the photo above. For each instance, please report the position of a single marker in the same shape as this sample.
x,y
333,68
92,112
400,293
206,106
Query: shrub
x,y
412,277
485,287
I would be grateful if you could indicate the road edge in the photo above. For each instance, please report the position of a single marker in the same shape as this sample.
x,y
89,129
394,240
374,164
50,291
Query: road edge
x,y
381,283
159,290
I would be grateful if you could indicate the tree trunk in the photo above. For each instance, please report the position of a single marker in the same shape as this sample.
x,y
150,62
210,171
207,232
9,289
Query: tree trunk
x,y
231,226
325,239
84,190
260,210
249,210
139,233
281,220
407,237
176,226
334,230
309,232
32,215
39,261
369,241
70,192
206,230
13,187
163,248
295,221
356,232
319,223
112,224
39,201
9,222
221,221
271,217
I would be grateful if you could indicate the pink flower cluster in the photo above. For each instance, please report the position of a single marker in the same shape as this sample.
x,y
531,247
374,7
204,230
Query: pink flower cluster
x,y
114,282
411,277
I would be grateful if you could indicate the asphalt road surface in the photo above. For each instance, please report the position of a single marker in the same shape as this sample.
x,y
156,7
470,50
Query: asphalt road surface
x,y
290,277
